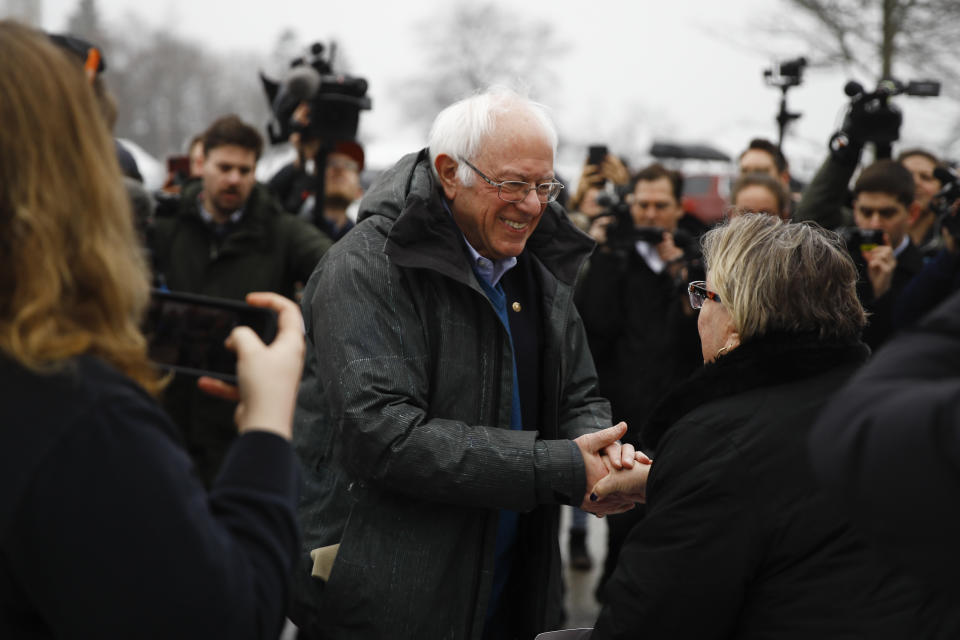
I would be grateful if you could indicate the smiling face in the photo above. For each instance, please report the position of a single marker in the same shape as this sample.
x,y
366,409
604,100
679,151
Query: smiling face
x,y
517,149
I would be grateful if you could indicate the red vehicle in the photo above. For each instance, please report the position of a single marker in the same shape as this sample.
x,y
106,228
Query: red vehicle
x,y
707,175
706,196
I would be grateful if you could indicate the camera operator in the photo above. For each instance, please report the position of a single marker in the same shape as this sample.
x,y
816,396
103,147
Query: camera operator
x,y
294,184
633,302
883,199
318,111
884,202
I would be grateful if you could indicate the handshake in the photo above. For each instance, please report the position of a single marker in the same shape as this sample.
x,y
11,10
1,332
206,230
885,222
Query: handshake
x,y
616,474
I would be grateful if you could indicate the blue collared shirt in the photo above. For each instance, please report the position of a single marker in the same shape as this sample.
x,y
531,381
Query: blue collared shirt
x,y
490,270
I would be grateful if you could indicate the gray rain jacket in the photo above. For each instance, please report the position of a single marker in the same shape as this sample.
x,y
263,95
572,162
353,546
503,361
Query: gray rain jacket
x,y
403,419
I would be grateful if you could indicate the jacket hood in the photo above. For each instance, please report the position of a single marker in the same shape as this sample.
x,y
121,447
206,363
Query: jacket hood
x,y
764,361
424,235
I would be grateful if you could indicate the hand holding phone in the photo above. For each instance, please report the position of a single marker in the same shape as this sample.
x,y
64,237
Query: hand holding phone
x,y
267,375
186,332
596,153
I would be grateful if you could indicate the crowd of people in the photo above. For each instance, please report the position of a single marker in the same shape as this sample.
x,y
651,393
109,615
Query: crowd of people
x,y
764,410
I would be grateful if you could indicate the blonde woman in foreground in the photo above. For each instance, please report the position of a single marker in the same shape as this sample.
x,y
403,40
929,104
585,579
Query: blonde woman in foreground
x,y
104,529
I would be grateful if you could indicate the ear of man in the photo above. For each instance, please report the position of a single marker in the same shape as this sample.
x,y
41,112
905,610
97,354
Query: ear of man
x,y
447,170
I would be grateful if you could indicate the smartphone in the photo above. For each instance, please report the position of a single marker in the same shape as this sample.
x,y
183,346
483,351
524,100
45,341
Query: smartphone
x,y
868,239
179,168
185,332
596,154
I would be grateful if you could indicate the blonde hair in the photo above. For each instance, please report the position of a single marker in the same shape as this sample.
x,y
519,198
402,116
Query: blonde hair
x,y
73,279
776,276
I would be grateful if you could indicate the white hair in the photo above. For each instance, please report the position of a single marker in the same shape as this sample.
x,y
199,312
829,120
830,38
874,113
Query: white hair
x,y
460,130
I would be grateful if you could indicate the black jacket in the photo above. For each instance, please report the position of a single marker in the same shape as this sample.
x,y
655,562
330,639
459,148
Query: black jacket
x,y
881,311
268,250
105,532
642,341
738,542
886,448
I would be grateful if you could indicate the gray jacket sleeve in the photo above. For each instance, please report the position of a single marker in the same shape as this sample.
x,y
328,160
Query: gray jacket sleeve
x,y
378,375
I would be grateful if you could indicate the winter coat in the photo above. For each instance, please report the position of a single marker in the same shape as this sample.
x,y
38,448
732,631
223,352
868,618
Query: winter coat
x,y
403,424
738,541
269,250
643,343
885,449
105,531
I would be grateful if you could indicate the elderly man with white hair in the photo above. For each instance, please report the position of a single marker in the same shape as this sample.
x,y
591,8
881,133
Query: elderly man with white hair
x,y
449,404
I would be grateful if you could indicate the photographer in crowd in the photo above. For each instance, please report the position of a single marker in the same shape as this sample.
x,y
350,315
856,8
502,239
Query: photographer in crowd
x,y
641,330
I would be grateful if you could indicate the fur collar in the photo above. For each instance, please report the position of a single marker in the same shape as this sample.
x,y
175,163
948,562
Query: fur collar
x,y
764,361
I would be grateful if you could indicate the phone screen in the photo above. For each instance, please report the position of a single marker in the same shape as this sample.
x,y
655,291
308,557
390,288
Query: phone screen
x,y
596,154
185,333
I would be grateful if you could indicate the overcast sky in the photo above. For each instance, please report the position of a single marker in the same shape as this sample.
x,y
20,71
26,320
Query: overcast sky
x,y
688,70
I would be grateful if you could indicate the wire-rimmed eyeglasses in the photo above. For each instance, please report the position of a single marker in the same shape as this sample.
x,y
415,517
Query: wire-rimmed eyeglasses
x,y
698,292
516,190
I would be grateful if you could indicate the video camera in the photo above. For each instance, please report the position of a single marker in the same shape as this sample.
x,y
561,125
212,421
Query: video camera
x,y
621,232
784,76
788,73
335,101
623,235
872,118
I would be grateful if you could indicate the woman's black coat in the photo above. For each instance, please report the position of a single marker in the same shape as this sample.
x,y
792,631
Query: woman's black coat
x,y
738,541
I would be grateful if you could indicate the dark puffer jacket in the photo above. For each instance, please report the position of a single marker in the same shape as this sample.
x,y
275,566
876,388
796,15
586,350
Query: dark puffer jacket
x,y
403,423
738,541
270,250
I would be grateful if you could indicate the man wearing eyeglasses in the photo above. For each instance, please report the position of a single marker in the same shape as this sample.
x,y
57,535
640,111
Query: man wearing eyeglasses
x,y
449,403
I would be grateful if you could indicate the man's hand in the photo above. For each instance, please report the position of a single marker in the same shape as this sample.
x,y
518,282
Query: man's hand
x,y
614,170
598,229
591,446
667,250
880,265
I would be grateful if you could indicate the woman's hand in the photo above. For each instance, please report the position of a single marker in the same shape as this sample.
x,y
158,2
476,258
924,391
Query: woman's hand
x,y
267,376
627,484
